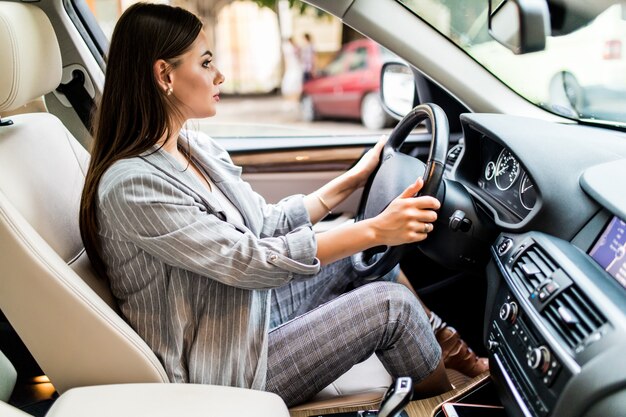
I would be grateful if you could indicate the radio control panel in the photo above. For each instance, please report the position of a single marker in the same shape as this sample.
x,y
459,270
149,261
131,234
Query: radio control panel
x,y
536,371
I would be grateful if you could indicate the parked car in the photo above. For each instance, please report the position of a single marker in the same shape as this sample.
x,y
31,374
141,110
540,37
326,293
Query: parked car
x,y
348,86
562,79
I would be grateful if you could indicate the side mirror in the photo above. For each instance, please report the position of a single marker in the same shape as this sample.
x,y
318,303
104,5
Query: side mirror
x,y
397,89
520,25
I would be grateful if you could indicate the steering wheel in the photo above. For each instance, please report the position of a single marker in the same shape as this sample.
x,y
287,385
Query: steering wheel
x,y
395,172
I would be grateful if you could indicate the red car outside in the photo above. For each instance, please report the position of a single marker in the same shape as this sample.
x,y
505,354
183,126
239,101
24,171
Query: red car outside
x,y
348,87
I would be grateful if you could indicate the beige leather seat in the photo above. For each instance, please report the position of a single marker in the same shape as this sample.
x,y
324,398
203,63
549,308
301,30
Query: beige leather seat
x,y
48,292
161,400
66,316
148,400
7,378
7,382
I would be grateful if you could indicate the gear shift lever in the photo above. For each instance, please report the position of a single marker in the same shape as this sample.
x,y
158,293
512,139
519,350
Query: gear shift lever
x,y
396,398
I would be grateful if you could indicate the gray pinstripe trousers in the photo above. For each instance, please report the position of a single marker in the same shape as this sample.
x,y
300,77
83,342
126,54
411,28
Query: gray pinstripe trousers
x,y
322,331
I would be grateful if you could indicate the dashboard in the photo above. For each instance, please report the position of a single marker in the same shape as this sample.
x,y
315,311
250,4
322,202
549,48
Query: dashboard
x,y
505,180
555,321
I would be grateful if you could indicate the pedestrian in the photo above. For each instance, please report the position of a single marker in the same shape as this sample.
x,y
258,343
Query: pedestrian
x,y
291,85
307,57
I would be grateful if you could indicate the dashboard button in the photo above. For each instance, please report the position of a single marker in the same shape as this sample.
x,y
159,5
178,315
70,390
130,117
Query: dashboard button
x,y
504,246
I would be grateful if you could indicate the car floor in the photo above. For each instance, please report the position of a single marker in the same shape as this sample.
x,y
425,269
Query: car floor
x,y
33,395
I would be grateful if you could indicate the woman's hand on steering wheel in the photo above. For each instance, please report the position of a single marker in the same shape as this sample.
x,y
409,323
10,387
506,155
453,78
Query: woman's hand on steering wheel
x,y
407,219
362,170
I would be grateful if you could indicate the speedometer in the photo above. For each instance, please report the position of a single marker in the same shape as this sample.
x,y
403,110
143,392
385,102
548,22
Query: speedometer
x,y
507,170
527,192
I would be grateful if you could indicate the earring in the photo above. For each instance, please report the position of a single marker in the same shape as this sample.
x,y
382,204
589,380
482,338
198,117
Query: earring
x,y
169,91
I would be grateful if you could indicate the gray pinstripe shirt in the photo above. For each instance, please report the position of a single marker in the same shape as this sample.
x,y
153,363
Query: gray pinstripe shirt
x,y
192,282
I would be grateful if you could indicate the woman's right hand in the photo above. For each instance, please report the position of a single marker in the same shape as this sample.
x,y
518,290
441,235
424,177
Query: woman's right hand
x,y
407,219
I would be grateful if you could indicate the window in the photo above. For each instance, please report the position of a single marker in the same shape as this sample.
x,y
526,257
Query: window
x,y
248,50
359,59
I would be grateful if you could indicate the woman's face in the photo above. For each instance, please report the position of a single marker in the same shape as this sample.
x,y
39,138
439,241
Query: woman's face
x,y
195,81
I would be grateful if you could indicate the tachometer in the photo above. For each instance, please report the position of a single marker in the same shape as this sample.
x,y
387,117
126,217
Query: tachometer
x,y
527,193
490,169
507,170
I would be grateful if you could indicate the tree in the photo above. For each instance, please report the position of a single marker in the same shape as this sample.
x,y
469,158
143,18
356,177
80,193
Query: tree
x,y
272,4
209,9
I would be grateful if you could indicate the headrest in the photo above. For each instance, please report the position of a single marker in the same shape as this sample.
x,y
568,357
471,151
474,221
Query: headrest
x,y
30,59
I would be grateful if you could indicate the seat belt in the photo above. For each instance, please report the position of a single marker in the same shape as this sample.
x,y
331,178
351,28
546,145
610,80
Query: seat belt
x,y
78,97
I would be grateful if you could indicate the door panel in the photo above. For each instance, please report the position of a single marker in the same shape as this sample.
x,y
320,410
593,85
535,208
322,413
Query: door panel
x,y
276,175
275,186
335,159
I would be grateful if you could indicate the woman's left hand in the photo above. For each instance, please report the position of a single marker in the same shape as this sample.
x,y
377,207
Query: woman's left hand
x,y
368,162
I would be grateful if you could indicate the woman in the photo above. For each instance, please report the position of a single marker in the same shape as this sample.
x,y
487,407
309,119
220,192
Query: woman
x,y
200,264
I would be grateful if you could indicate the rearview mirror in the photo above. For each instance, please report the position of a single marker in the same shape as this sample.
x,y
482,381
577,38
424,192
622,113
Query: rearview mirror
x,y
520,25
397,89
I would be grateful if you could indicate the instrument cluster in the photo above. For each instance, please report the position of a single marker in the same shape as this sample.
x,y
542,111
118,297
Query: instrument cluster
x,y
504,179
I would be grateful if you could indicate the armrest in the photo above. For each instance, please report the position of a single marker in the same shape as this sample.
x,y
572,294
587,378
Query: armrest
x,y
166,400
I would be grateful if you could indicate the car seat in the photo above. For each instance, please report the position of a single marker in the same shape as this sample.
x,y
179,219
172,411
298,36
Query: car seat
x,y
64,314
154,400
8,375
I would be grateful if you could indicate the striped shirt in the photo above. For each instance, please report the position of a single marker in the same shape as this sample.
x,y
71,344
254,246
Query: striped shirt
x,y
192,281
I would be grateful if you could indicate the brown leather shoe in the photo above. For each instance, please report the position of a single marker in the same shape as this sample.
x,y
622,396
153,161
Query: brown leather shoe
x,y
457,355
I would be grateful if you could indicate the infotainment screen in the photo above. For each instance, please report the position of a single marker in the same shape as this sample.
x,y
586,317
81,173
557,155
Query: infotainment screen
x,y
610,250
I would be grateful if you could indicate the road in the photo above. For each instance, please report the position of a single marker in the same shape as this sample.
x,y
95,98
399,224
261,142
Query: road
x,y
237,113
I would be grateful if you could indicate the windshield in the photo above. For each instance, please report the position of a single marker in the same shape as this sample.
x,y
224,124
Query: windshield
x,y
580,75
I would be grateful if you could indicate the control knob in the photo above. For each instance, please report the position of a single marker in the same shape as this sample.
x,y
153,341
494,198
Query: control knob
x,y
492,345
508,312
539,359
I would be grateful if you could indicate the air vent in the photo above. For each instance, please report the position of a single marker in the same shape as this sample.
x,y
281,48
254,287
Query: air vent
x,y
533,267
573,317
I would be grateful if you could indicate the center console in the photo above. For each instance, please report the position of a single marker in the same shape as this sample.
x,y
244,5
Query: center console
x,y
530,367
551,327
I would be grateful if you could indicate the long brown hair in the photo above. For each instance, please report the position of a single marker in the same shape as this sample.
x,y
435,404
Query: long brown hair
x,y
134,113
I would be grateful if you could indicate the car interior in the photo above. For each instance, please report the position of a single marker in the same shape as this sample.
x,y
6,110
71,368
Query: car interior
x,y
527,259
